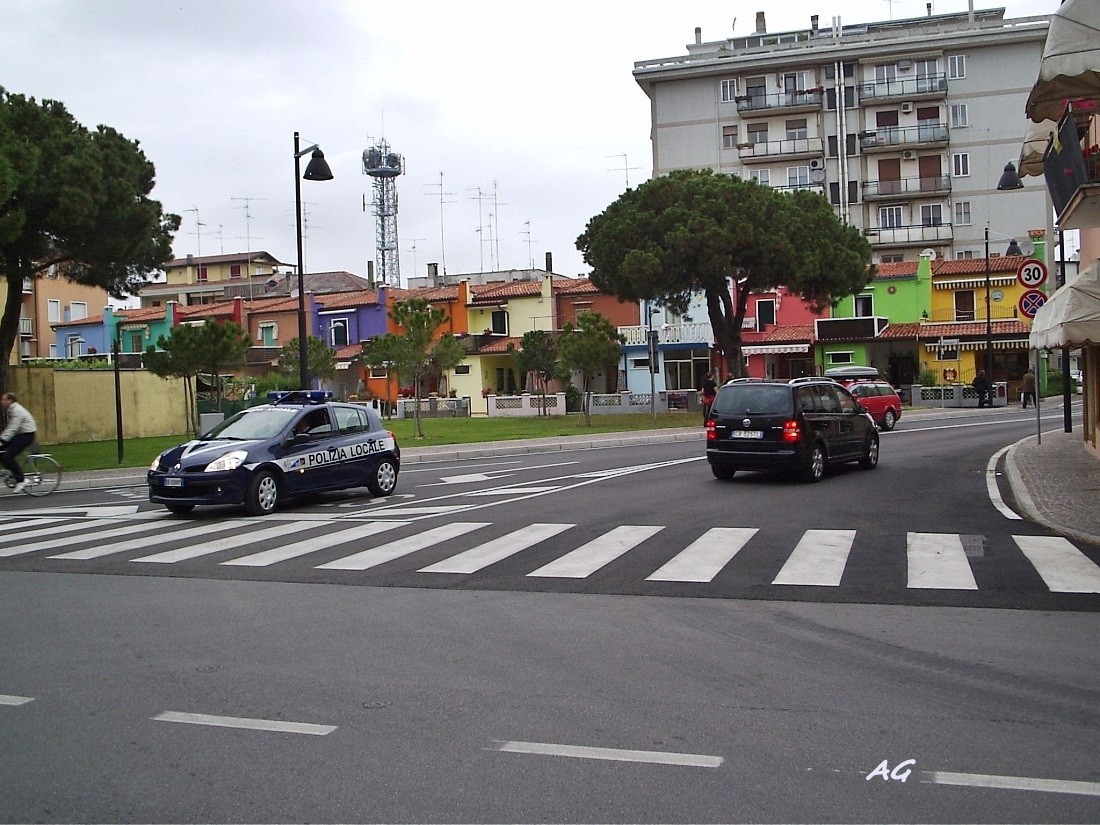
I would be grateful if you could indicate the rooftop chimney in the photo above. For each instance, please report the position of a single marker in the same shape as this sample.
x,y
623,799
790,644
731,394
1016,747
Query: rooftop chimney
x,y
698,35
813,23
761,26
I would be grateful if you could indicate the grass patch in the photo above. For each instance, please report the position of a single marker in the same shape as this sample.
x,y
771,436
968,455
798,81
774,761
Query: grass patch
x,y
139,452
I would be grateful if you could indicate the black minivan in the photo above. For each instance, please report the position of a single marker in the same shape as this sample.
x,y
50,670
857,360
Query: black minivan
x,y
800,426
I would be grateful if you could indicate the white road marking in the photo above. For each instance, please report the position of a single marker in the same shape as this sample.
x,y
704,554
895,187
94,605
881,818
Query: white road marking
x,y
98,511
586,560
402,547
496,550
937,561
227,543
15,700
512,491
691,760
244,723
819,558
110,549
53,530
705,557
127,529
994,490
307,546
1063,567
1012,783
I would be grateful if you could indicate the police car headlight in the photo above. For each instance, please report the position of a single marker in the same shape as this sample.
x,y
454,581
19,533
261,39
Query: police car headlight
x,y
155,464
229,461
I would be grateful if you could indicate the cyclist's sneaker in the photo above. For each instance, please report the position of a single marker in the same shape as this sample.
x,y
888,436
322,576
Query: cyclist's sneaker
x,y
19,487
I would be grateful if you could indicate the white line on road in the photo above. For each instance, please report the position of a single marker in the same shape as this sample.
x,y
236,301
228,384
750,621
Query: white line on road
x,y
584,561
496,550
403,547
705,557
937,561
15,700
994,489
691,760
1012,783
244,723
1063,567
819,558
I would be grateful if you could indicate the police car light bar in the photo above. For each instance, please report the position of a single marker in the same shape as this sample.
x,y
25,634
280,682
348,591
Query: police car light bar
x,y
299,396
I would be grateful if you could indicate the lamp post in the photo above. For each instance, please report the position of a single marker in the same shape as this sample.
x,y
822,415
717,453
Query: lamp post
x,y
316,169
988,318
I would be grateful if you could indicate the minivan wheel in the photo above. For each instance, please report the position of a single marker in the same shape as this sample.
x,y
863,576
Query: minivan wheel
x,y
870,453
815,465
889,420
722,473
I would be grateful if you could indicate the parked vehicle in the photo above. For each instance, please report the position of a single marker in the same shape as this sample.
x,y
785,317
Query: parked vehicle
x,y
801,426
300,443
880,399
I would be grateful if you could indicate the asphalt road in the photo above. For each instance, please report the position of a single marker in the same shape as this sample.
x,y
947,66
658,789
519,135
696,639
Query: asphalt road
x,y
190,690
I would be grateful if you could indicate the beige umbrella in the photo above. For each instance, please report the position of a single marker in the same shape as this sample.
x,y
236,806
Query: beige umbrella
x,y
1070,68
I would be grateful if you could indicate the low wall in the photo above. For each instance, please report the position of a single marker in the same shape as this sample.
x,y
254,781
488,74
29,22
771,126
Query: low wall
x,y
70,406
612,403
504,406
434,407
956,395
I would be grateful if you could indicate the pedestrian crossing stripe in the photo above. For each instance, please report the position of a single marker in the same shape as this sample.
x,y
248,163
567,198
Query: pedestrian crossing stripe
x,y
934,561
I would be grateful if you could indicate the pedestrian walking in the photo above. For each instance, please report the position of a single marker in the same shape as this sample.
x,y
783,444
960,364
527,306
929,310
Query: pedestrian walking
x,y
1027,388
983,387
709,390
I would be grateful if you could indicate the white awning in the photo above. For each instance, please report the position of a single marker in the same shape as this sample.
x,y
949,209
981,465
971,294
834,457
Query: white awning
x,y
955,283
1071,318
1070,68
999,343
774,349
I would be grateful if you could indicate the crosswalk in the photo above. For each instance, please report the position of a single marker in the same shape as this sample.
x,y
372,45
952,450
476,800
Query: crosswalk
x,y
543,551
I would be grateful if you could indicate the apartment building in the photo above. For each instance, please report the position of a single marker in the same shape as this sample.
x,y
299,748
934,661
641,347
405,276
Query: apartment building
x,y
905,126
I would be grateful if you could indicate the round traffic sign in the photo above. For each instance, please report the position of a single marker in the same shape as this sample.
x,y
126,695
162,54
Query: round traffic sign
x,y
1031,273
1030,302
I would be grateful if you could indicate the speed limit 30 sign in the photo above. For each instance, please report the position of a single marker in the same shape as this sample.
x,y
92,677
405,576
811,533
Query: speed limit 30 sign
x,y
1031,274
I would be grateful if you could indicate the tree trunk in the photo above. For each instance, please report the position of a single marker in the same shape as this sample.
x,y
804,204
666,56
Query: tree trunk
x,y
725,321
9,322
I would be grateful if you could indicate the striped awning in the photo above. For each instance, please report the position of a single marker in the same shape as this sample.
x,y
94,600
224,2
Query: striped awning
x,y
774,349
979,281
1012,343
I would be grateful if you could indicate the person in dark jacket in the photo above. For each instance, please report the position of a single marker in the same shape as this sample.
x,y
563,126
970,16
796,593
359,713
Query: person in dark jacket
x,y
982,385
1027,388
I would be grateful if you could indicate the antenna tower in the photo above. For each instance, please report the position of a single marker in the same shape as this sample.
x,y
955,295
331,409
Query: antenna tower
x,y
384,166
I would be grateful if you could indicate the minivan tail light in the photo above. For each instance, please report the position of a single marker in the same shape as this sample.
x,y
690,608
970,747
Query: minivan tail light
x,y
712,431
792,431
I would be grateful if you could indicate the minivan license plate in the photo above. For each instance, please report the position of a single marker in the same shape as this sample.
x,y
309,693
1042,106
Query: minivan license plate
x,y
747,434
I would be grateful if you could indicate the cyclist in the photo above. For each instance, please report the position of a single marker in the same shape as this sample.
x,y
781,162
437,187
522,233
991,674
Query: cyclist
x,y
16,437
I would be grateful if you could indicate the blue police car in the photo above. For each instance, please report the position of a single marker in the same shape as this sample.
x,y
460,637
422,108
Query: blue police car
x,y
300,442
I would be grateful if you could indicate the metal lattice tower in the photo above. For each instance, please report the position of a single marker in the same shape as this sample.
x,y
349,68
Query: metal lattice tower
x,y
384,166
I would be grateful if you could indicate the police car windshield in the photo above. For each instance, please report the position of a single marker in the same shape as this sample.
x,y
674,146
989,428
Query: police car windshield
x,y
754,399
256,423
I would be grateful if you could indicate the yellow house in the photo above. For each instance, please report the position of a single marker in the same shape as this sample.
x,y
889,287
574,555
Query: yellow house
x,y
50,299
202,280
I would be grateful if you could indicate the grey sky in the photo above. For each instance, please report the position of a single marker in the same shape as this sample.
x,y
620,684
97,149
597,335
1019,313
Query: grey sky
x,y
532,102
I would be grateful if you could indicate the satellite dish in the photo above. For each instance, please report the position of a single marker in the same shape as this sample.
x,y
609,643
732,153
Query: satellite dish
x,y
930,254
817,175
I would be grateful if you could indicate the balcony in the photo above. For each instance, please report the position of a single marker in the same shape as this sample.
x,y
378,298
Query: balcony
x,y
26,327
784,102
262,355
812,187
932,87
899,236
849,329
774,150
692,333
937,185
893,138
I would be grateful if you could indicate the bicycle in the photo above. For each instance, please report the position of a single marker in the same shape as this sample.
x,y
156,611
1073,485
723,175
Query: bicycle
x,y
41,470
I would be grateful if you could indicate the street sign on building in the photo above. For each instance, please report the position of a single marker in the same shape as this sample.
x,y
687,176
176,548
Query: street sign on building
x,y
1031,274
1030,302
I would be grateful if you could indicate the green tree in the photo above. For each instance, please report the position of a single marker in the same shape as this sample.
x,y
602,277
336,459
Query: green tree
x,y
221,344
538,354
415,353
592,345
694,232
179,356
320,359
384,351
75,199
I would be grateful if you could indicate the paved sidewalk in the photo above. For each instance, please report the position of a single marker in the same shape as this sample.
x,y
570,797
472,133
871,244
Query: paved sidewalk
x,y
1056,483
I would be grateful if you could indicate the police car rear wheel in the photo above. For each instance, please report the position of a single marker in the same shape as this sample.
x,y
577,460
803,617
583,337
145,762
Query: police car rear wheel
x,y
383,480
263,494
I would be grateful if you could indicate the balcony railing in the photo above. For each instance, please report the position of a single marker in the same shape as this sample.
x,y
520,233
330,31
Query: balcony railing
x,y
780,150
911,187
693,333
786,101
892,138
930,86
262,355
909,235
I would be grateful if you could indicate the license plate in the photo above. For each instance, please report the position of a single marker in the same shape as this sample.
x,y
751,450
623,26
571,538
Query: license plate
x,y
758,434
173,482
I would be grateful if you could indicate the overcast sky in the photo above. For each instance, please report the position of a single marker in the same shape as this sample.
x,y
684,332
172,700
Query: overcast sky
x,y
525,116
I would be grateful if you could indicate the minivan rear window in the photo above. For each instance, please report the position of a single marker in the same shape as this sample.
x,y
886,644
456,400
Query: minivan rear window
x,y
749,399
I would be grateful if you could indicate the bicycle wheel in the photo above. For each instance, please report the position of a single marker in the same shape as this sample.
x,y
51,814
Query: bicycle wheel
x,y
43,474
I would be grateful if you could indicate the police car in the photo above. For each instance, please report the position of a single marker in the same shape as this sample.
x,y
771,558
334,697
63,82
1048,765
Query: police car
x,y
300,442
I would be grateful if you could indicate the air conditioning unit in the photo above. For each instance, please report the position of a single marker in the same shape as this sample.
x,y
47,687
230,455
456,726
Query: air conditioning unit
x,y
905,65
906,107
909,154
817,163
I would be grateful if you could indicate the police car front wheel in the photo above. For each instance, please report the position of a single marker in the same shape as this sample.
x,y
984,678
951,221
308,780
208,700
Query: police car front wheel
x,y
383,480
263,494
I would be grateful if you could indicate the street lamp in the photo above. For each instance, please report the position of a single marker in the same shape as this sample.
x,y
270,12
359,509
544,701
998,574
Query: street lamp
x,y
316,169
